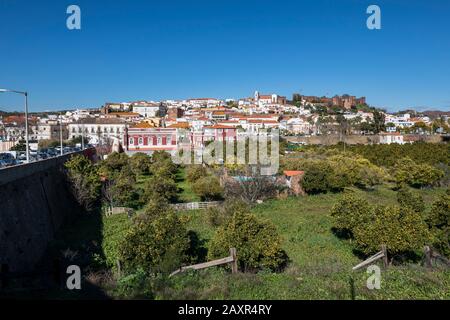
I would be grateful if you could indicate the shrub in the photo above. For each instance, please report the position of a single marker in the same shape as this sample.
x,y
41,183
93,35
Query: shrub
x,y
195,172
123,190
140,163
413,200
157,246
217,216
317,178
84,181
400,229
160,188
113,164
406,171
349,212
257,242
439,222
208,188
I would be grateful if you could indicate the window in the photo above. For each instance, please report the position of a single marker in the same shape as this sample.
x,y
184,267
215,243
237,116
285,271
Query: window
x,y
131,140
140,140
159,140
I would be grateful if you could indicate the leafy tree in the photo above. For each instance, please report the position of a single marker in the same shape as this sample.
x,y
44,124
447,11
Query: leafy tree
x,y
113,164
406,171
218,216
349,212
408,198
208,188
257,242
195,172
378,122
158,246
317,176
84,181
400,229
124,189
439,222
160,188
140,163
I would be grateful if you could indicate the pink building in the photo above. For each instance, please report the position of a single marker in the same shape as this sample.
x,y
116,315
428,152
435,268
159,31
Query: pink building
x,y
145,138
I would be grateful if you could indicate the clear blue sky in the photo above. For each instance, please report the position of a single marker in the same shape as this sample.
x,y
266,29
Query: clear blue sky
x,y
161,49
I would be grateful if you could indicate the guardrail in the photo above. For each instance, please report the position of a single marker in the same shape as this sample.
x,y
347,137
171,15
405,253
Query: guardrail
x,y
20,171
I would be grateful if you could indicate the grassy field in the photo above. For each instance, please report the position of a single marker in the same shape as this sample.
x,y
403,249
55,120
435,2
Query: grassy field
x,y
320,263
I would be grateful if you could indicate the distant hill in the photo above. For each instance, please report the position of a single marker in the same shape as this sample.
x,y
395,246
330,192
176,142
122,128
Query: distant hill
x,y
433,114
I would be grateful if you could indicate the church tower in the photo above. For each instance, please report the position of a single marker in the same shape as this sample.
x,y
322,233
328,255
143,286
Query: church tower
x,y
256,96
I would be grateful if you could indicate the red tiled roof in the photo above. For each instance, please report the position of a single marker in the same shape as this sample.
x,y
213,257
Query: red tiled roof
x,y
218,126
179,125
293,173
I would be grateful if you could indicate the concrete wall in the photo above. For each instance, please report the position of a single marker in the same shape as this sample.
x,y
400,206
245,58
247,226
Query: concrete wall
x,y
35,201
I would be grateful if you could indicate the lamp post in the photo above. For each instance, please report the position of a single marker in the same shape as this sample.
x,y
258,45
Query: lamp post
x,y
60,133
26,119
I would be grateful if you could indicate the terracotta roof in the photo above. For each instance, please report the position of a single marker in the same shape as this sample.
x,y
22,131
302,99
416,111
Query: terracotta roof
x,y
124,114
180,125
262,121
293,173
143,125
218,126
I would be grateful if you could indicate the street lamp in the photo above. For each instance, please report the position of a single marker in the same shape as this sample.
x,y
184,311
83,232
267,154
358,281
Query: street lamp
x,y
60,133
26,119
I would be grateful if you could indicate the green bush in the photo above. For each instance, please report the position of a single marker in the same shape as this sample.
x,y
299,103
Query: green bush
x,y
349,212
84,181
195,172
208,188
140,163
113,164
160,188
157,246
400,229
406,171
257,242
439,222
217,216
317,178
123,190
413,200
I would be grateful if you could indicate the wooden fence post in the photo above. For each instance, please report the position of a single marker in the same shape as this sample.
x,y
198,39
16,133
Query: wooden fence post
x,y
385,256
234,266
427,251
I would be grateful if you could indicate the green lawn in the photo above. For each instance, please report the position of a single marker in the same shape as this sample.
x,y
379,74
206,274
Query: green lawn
x,y
321,263
186,193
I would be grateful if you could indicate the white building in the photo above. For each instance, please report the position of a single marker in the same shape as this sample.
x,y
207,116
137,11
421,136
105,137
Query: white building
x,y
149,110
389,138
98,130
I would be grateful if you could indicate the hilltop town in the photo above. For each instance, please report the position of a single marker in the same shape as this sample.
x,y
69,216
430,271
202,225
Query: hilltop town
x,y
148,126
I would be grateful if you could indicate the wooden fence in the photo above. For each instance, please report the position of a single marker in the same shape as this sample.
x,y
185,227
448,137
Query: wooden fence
x,y
430,255
196,205
377,256
232,259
